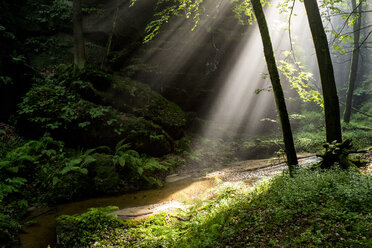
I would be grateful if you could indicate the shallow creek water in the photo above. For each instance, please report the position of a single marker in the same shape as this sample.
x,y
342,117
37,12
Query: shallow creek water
x,y
178,188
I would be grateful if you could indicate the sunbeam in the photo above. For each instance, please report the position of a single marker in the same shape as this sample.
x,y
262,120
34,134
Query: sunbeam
x,y
237,107
185,46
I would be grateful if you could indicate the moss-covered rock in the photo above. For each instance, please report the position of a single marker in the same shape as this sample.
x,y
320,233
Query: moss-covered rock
x,y
82,230
57,107
139,99
99,79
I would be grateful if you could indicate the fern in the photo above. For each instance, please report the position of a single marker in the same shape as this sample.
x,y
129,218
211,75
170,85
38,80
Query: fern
x,y
79,163
121,147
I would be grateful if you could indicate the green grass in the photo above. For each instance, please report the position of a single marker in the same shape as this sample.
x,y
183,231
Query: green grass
x,y
314,209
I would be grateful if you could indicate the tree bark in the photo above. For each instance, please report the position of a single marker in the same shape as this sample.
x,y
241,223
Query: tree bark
x,y
109,40
277,87
79,46
331,104
354,64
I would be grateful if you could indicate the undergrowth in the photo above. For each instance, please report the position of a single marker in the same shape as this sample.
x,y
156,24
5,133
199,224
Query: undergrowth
x,y
37,172
316,208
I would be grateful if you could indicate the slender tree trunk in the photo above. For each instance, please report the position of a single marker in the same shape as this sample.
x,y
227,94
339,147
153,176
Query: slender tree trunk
x,y
79,46
109,41
354,64
331,104
277,87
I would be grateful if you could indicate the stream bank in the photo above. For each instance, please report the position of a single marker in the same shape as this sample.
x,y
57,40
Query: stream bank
x,y
183,187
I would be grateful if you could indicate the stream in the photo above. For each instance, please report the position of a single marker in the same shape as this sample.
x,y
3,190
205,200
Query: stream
x,y
188,187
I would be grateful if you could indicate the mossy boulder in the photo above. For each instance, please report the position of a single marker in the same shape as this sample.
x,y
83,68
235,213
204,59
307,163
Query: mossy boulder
x,y
143,135
139,99
99,79
56,107
83,230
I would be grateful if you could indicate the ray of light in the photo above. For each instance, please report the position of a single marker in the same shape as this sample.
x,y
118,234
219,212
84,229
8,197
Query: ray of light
x,y
185,46
237,108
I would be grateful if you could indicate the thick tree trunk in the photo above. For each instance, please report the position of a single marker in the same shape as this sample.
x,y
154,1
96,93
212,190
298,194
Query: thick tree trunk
x,y
277,87
354,64
79,46
331,104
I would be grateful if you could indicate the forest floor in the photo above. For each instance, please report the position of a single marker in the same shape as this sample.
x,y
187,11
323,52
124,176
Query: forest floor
x,y
316,208
188,185
190,193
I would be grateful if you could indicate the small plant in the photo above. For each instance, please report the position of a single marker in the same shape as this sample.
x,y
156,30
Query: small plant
x,y
78,164
337,153
140,166
280,157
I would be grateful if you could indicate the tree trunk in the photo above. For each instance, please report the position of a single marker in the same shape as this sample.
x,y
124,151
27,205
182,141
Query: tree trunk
x,y
354,64
277,87
79,46
331,104
109,40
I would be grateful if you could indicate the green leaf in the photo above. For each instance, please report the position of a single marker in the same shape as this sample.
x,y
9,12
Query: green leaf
x,y
121,161
22,203
55,181
5,163
88,160
74,168
84,124
13,169
74,162
140,171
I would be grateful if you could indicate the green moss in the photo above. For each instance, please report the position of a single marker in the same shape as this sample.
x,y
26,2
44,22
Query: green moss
x,y
58,107
99,79
83,230
139,99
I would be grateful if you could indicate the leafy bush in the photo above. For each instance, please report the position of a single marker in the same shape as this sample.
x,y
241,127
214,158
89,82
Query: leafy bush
x,y
18,169
52,104
47,166
140,168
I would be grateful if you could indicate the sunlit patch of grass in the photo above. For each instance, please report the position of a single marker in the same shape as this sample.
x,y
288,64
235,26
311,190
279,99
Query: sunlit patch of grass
x,y
205,219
